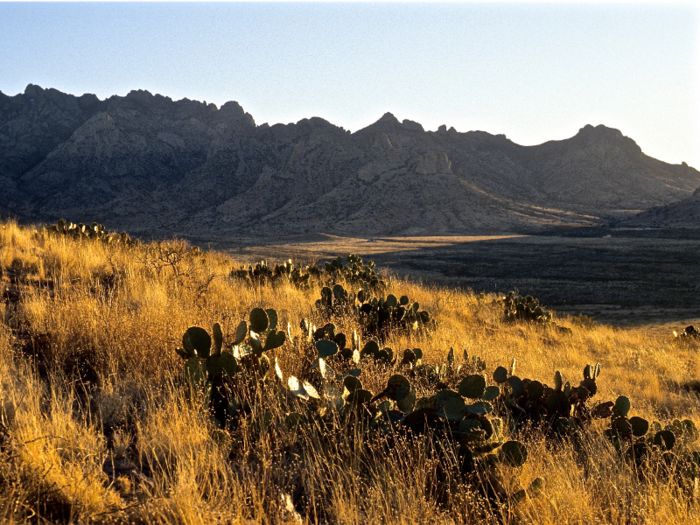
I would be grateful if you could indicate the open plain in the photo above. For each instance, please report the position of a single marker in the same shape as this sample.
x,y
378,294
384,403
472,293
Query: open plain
x,y
617,276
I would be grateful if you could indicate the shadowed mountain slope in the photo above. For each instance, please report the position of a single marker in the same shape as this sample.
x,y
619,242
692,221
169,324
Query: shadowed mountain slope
x,y
681,214
155,166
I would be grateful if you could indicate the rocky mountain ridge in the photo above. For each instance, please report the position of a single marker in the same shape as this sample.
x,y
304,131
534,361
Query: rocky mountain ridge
x,y
151,165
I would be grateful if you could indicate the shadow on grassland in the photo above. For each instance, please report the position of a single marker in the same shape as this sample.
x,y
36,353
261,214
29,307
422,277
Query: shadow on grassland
x,y
620,277
619,280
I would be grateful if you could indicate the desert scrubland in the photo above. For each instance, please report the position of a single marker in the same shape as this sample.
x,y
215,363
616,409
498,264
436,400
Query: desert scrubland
x,y
99,423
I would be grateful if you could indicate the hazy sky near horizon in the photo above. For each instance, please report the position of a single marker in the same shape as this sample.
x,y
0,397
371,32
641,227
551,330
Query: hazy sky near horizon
x,y
535,72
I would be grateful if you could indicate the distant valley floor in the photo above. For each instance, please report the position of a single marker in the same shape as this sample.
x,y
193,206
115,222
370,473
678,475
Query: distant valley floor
x,y
620,277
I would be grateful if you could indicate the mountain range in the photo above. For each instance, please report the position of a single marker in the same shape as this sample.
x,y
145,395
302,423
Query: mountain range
x,y
153,166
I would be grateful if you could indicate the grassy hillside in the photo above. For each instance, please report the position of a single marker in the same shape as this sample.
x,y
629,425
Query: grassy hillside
x,y
99,424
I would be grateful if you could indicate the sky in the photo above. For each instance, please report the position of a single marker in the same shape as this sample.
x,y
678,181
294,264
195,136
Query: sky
x,y
534,72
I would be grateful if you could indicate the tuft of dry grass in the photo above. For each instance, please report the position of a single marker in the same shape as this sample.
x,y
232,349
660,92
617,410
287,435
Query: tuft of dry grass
x,y
97,426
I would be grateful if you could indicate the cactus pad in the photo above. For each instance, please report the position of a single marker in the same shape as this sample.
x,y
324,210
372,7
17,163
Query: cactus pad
x,y
500,375
397,388
622,406
258,320
197,340
472,387
513,454
326,348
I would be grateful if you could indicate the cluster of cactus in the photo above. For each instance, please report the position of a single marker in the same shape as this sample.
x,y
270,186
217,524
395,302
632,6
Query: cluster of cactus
x,y
689,332
214,368
327,332
354,272
562,409
519,308
438,376
379,316
288,272
463,418
646,445
474,413
318,380
376,316
460,408
336,301
89,231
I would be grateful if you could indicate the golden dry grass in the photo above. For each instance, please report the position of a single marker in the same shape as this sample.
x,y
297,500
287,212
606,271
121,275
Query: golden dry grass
x,y
96,425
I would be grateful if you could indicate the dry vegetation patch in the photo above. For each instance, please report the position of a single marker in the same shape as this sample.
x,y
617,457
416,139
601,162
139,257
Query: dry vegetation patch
x,y
98,424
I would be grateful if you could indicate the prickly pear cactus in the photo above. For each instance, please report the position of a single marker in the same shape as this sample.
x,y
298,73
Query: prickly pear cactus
x,y
653,448
261,273
519,308
354,272
92,231
211,367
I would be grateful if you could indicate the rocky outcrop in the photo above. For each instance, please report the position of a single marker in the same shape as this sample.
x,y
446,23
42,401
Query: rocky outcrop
x,y
152,165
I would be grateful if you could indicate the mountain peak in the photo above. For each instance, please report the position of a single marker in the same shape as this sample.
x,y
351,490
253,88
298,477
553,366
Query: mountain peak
x,y
599,130
388,118
33,91
139,96
603,134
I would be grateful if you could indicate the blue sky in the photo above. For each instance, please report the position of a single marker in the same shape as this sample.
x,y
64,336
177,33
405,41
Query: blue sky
x,y
535,72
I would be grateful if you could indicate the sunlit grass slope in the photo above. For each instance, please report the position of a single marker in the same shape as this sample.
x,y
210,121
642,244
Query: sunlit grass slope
x,y
96,423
